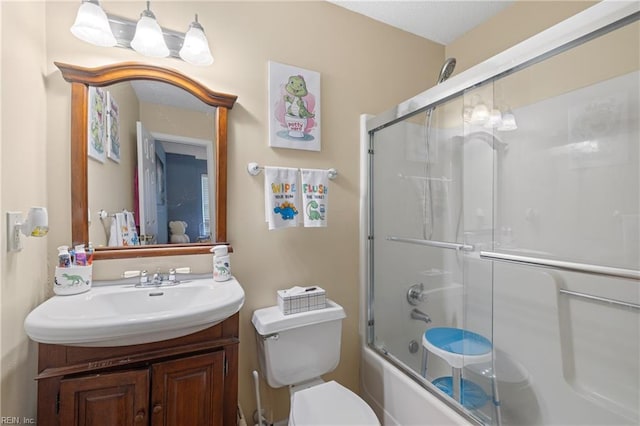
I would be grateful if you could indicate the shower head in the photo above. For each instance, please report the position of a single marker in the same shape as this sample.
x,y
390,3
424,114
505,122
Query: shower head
x,y
447,69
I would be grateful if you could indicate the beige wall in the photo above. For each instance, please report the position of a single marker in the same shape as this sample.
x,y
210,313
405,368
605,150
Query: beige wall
x,y
521,20
23,175
366,67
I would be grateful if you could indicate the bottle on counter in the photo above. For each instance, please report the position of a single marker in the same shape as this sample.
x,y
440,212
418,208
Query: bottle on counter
x,y
221,263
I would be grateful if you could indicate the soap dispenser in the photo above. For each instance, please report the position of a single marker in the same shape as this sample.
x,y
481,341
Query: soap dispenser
x,y
221,263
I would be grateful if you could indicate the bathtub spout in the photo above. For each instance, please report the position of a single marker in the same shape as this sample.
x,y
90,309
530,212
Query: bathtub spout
x,y
417,314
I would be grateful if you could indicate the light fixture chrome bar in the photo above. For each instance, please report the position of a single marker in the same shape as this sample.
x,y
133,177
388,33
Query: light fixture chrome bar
x,y
562,265
600,299
432,243
124,29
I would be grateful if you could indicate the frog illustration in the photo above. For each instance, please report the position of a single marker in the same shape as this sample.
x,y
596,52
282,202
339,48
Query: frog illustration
x,y
297,89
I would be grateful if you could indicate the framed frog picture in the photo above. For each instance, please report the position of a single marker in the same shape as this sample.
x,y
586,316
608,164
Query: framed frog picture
x,y
294,107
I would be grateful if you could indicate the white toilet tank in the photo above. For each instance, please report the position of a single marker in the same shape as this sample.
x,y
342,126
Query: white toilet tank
x,y
299,347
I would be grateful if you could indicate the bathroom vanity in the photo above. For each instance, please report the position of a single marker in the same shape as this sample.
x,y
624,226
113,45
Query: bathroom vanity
x,y
187,374
189,380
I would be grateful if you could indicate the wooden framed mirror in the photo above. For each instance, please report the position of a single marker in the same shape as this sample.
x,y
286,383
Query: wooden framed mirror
x,y
82,80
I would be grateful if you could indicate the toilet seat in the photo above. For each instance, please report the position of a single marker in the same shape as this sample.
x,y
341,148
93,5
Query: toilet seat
x,y
330,404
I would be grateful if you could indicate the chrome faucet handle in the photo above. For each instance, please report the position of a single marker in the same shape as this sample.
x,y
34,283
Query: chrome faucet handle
x,y
415,294
157,277
174,272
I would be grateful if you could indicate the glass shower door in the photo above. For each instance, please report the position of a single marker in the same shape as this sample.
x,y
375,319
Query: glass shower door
x,y
425,276
504,254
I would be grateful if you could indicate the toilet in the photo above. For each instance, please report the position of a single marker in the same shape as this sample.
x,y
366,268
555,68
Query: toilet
x,y
295,350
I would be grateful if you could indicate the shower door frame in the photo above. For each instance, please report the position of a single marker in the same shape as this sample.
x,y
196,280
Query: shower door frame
x,y
599,19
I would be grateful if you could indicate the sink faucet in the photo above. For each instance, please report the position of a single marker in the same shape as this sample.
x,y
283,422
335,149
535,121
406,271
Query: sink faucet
x,y
158,279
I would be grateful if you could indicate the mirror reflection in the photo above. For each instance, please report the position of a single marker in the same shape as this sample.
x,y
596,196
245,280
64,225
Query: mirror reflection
x,y
154,181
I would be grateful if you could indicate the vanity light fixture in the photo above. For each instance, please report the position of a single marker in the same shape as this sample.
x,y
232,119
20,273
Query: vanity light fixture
x,y
36,224
479,114
195,48
145,36
508,122
148,39
92,25
494,119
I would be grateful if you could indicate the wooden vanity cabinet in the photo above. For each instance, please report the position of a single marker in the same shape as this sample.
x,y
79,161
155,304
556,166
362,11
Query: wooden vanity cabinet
x,y
190,380
109,399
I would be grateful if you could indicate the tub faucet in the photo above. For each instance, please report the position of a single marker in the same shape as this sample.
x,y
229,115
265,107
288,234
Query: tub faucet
x,y
417,314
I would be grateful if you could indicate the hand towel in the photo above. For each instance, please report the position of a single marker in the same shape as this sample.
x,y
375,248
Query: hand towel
x,y
115,234
315,197
281,197
130,236
123,230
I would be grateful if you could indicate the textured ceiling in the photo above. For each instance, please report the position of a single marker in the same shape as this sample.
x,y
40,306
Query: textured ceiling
x,y
154,92
440,21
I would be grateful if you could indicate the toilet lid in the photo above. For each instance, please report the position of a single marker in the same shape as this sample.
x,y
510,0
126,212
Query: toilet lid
x,y
330,404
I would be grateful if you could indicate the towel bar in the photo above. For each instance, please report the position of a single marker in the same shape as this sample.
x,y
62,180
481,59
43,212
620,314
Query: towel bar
x,y
432,243
599,298
562,265
254,169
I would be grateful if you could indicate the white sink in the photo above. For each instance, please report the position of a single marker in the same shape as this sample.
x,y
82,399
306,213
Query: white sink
x,y
119,315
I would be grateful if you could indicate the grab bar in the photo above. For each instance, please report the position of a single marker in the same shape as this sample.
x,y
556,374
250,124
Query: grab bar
x,y
432,243
563,265
600,298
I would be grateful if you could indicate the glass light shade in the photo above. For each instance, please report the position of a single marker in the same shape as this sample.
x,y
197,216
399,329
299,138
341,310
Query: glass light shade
x,y
195,48
494,120
148,39
92,25
508,122
466,113
480,114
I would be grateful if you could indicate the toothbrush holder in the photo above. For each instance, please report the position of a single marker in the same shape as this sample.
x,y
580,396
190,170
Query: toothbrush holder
x,y
72,280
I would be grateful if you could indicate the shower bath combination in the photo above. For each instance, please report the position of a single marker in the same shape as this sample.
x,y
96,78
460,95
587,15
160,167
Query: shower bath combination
x,y
512,247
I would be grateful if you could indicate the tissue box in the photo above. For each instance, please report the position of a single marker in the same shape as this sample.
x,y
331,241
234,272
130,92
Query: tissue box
x,y
301,299
72,280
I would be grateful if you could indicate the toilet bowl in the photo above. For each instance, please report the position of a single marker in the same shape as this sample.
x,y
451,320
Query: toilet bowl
x,y
329,404
295,350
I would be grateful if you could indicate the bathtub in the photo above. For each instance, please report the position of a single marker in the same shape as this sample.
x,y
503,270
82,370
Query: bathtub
x,y
380,385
